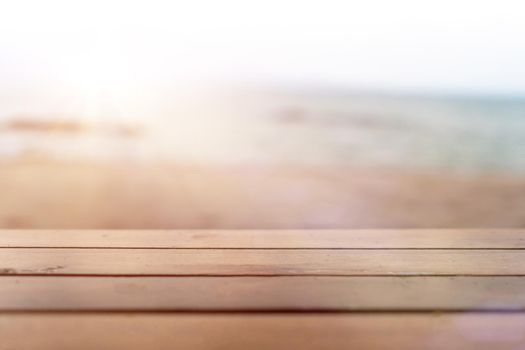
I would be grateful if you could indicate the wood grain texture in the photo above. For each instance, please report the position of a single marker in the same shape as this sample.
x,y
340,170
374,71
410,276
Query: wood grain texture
x,y
275,331
449,238
371,289
261,293
49,261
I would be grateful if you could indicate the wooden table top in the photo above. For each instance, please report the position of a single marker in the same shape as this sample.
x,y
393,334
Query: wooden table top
x,y
237,289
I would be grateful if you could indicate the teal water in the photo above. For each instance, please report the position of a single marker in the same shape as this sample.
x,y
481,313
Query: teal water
x,y
450,133
461,134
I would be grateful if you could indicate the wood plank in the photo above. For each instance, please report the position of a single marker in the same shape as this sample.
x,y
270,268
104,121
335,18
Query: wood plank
x,y
261,293
442,238
47,261
276,331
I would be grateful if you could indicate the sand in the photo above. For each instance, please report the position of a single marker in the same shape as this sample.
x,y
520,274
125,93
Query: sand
x,y
37,193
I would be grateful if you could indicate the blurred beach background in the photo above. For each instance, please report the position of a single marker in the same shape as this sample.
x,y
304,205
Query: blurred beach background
x,y
115,115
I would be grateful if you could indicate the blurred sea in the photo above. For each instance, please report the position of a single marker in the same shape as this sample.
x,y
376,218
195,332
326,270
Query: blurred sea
x,y
456,134
462,134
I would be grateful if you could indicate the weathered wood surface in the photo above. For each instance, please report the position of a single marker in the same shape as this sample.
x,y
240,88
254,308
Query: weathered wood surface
x,y
252,331
262,294
264,262
371,289
446,239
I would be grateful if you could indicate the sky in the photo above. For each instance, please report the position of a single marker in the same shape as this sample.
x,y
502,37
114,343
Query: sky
x,y
59,53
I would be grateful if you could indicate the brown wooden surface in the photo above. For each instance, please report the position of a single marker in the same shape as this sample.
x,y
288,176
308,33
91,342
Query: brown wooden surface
x,y
371,289
255,331
262,293
415,238
264,262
